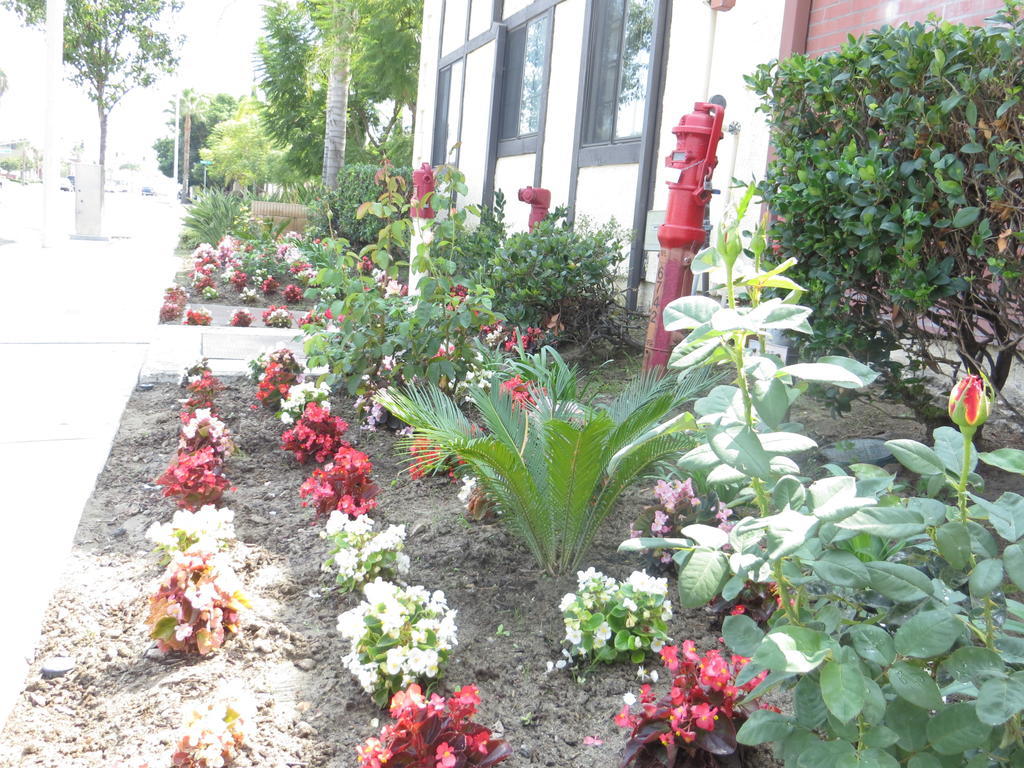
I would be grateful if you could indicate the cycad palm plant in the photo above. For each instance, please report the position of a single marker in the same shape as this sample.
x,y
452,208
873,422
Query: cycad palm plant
x,y
554,468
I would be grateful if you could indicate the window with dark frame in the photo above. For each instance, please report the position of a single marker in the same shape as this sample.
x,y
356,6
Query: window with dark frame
x,y
439,150
526,57
619,63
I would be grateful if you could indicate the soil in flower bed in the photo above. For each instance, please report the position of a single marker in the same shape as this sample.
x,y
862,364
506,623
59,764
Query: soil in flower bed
x,y
123,701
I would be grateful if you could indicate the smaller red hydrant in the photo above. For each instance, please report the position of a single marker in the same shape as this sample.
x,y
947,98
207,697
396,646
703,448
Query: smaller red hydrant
x,y
539,200
423,192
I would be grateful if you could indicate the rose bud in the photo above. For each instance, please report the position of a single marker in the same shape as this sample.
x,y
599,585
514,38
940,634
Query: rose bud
x,y
969,402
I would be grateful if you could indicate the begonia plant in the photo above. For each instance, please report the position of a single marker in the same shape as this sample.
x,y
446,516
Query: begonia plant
x,y
292,293
241,319
277,317
293,405
199,316
195,479
210,736
344,484
316,435
201,428
208,529
360,555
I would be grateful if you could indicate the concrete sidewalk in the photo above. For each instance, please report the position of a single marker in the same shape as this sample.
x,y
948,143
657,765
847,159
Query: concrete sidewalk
x,y
75,325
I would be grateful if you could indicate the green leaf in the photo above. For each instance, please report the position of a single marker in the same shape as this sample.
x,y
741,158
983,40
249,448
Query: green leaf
x,y
966,216
1000,699
915,685
702,577
787,531
785,442
954,544
897,522
739,448
899,582
863,373
164,628
771,401
972,664
742,634
827,372
1006,459
986,577
842,688
808,704
1013,560
689,312
956,729
591,624
763,726
908,721
793,649
873,644
924,760
1006,514
784,317
841,568
834,497
949,445
916,457
928,634
706,536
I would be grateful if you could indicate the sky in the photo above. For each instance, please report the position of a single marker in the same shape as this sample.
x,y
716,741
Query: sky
x,y
217,57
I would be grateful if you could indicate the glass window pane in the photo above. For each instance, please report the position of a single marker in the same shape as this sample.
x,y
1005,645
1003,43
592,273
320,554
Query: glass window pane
x,y
454,110
533,76
636,61
512,86
602,90
439,149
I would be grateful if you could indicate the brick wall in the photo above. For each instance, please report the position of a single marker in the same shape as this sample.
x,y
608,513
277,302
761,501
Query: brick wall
x,y
832,20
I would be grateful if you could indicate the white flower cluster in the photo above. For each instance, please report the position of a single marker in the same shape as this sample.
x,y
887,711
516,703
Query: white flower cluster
x,y
249,295
210,736
206,530
610,619
398,635
360,555
468,486
203,418
278,317
294,404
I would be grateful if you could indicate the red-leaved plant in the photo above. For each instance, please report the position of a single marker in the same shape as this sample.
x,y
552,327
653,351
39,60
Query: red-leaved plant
x,y
195,479
344,485
269,286
695,724
202,390
433,733
239,279
292,293
241,319
274,384
202,429
316,435
171,312
198,317
197,602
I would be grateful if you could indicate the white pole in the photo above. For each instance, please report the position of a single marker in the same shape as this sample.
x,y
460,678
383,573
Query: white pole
x,y
177,101
712,29
52,219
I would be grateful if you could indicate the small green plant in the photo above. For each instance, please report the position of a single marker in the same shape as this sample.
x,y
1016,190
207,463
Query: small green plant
x,y
553,467
212,215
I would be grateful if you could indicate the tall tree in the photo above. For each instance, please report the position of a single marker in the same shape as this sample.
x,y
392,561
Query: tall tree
x,y
3,83
191,103
215,109
336,20
112,47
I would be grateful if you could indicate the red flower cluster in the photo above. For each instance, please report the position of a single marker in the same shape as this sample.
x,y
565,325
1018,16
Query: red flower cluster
x,y
531,340
195,478
241,319
433,733
203,281
239,279
205,430
277,317
173,307
426,458
299,266
520,391
699,713
312,318
269,286
343,485
317,435
274,384
292,293
198,317
202,391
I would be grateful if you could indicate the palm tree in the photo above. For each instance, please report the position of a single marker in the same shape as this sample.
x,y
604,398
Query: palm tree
x,y
191,103
3,83
551,465
336,20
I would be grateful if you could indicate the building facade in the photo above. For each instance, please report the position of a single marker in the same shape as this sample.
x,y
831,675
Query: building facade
x,y
580,96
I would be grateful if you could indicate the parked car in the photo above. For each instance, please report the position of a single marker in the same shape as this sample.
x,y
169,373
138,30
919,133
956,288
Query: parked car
x,y
148,192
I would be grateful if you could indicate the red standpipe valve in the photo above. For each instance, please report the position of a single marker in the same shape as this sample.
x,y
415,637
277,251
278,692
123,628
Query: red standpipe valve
x,y
682,234
539,200
423,191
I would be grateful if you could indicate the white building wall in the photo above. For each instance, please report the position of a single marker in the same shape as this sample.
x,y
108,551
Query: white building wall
x,y
480,16
510,175
455,17
475,121
427,88
514,6
563,91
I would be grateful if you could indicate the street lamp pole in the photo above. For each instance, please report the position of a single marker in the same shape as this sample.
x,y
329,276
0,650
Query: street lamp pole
x,y
177,102
51,153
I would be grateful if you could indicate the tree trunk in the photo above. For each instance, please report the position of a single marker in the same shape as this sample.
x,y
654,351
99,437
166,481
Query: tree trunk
x,y
337,117
103,150
186,157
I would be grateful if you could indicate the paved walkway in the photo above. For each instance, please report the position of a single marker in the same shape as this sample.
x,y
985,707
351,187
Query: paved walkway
x,y
75,324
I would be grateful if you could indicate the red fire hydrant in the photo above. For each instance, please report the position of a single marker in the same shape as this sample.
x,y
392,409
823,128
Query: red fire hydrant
x,y
423,191
682,234
539,200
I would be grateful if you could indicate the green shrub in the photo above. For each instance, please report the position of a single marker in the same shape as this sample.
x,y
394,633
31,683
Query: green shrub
x,y
333,212
555,270
212,215
897,179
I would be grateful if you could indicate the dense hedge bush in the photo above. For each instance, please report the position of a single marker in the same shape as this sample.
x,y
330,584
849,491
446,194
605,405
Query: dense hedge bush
x,y
555,270
333,213
899,181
